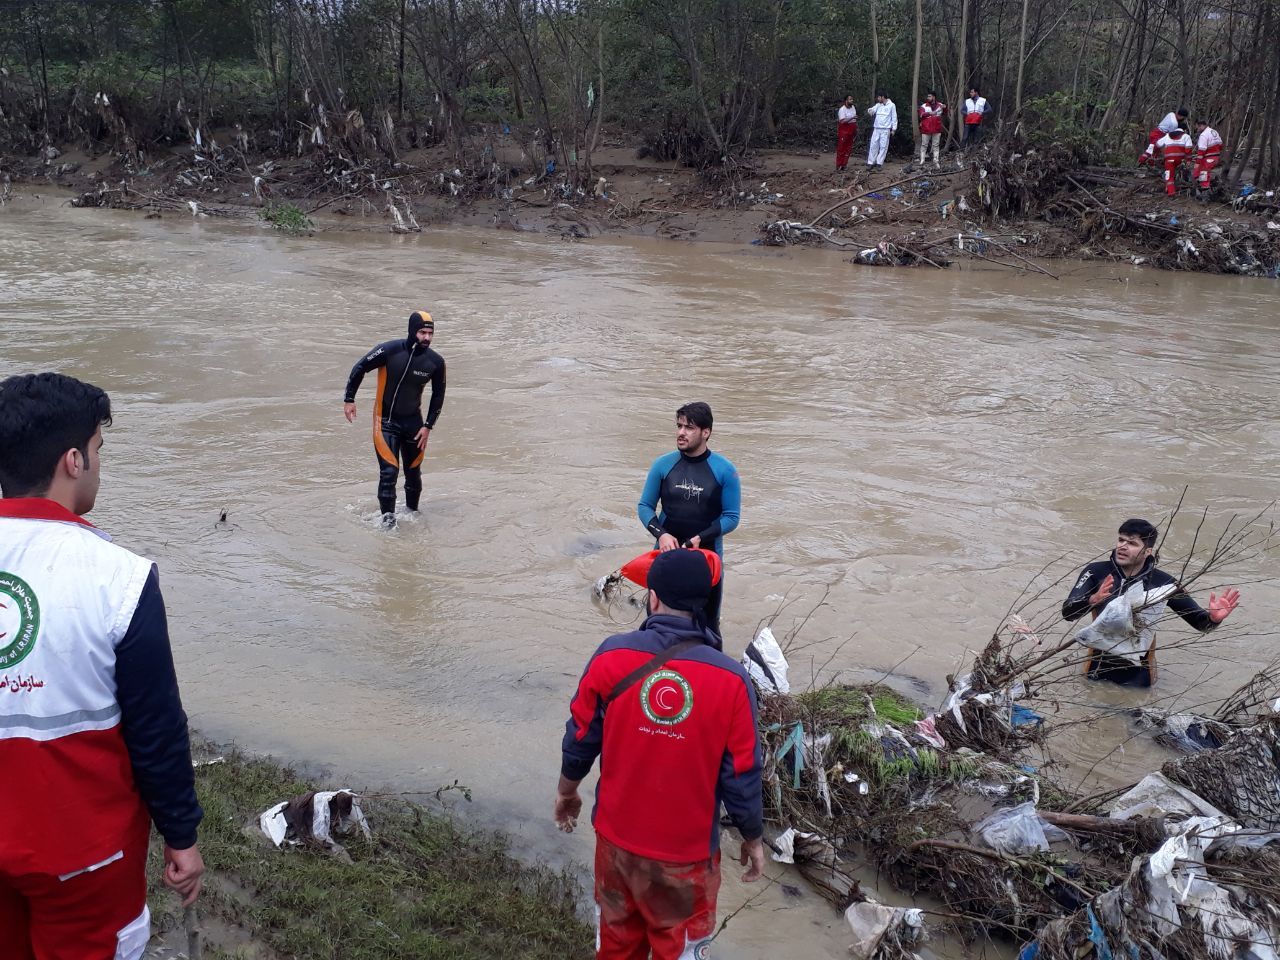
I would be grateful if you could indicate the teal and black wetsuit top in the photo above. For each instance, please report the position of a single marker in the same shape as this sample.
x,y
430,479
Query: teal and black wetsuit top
x,y
700,496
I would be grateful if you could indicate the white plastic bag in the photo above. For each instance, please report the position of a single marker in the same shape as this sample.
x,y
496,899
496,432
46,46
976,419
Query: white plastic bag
x,y
1018,830
766,664
1126,626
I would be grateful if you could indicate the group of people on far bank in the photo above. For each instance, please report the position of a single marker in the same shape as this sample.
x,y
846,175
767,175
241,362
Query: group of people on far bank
x,y
1170,136
930,114
92,724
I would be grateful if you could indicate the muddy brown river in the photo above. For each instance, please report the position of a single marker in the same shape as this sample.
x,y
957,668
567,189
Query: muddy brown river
x,y
914,446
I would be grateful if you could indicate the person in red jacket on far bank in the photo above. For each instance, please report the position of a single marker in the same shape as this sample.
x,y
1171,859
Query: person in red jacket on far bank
x,y
1208,153
1175,147
932,112
846,131
674,722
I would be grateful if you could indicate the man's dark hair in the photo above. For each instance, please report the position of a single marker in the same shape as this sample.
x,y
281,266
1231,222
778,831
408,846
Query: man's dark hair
x,y
930,93
1144,530
1181,112
881,93
42,416
975,88
697,413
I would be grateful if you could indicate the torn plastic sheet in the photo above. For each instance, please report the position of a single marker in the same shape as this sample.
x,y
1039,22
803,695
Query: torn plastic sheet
x,y
1157,797
784,844
872,922
927,731
766,664
1126,626
315,818
1018,830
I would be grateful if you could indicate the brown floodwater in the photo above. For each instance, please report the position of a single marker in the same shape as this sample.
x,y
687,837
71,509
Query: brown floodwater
x,y
914,446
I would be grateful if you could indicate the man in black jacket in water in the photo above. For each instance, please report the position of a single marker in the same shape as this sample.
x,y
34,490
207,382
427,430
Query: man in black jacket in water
x,y
404,368
1133,561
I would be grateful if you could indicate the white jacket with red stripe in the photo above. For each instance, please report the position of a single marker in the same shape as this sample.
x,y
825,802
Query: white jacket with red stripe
x,y
68,600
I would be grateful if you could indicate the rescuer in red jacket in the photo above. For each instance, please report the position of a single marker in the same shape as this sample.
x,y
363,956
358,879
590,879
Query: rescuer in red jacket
x,y
673,721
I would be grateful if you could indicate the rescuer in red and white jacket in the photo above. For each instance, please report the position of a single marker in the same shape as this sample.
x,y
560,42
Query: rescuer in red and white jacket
x,y
1171,122
673,721
1175,147
931,114
1208,152
92,731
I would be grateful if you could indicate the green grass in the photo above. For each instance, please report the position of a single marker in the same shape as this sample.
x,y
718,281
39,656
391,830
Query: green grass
x,y
287,218
422,888
848,704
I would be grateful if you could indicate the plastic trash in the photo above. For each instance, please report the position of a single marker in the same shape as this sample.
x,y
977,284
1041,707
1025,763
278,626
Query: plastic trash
x,y
1173,221
1158,797
766,664
314,819
927,731
1247,189
1018,830
1021,716
551,166
876,196
896,192
1126,626
872,922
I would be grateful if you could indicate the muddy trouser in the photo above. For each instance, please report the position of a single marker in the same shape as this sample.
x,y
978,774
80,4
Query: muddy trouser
x,y
927,140
650,905
972,134
99,911
395,441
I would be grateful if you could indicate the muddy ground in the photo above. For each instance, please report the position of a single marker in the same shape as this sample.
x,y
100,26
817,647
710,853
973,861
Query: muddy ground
x,y
635,195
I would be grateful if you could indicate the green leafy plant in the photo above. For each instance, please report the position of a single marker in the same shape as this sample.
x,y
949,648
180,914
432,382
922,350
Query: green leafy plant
x,y
287,218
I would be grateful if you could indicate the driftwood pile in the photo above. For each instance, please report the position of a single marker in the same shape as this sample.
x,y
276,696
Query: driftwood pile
x,y
1103,212
956,807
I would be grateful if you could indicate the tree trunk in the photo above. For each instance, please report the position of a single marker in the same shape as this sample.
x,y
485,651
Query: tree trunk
x,y
875,52
958,99
915,72
1022,62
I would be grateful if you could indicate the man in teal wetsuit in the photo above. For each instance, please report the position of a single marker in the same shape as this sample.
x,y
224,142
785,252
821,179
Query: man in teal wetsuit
x,y
699,492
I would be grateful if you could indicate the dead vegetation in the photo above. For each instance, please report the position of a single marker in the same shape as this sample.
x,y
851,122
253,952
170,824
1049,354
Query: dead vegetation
x,y
968,807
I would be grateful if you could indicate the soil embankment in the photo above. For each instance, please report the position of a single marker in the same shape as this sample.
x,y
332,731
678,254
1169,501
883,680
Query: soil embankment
x,y
1005,205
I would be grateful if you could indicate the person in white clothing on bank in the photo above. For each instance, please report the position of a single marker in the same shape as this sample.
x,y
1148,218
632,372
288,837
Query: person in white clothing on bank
x,y
884,124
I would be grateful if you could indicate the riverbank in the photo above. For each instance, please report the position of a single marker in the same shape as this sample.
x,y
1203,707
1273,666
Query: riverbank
x,y
422,886
1003,205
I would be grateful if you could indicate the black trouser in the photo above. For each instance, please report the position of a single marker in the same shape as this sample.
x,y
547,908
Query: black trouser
x,y
1102,666
972,134
399,442
713,603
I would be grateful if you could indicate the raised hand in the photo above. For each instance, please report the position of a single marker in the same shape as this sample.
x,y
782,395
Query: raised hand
x,y
1220,607
1103,593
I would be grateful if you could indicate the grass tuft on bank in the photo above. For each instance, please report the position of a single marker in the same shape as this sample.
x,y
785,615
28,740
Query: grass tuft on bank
x,y
423,887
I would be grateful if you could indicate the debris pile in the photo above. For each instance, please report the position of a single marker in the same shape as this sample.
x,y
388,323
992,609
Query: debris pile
x,y
955,806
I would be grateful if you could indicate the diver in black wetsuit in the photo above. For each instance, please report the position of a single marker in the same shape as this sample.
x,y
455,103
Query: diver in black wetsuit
x,y
399,432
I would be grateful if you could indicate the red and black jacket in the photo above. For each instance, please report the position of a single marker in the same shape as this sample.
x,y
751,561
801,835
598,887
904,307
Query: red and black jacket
x,y
673,746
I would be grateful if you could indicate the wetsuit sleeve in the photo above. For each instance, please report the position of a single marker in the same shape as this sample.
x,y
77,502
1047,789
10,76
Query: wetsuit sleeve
x,y
730,502
1190,611
437,396
584,732
370,361
740,769
1077,603
153,722
647,508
